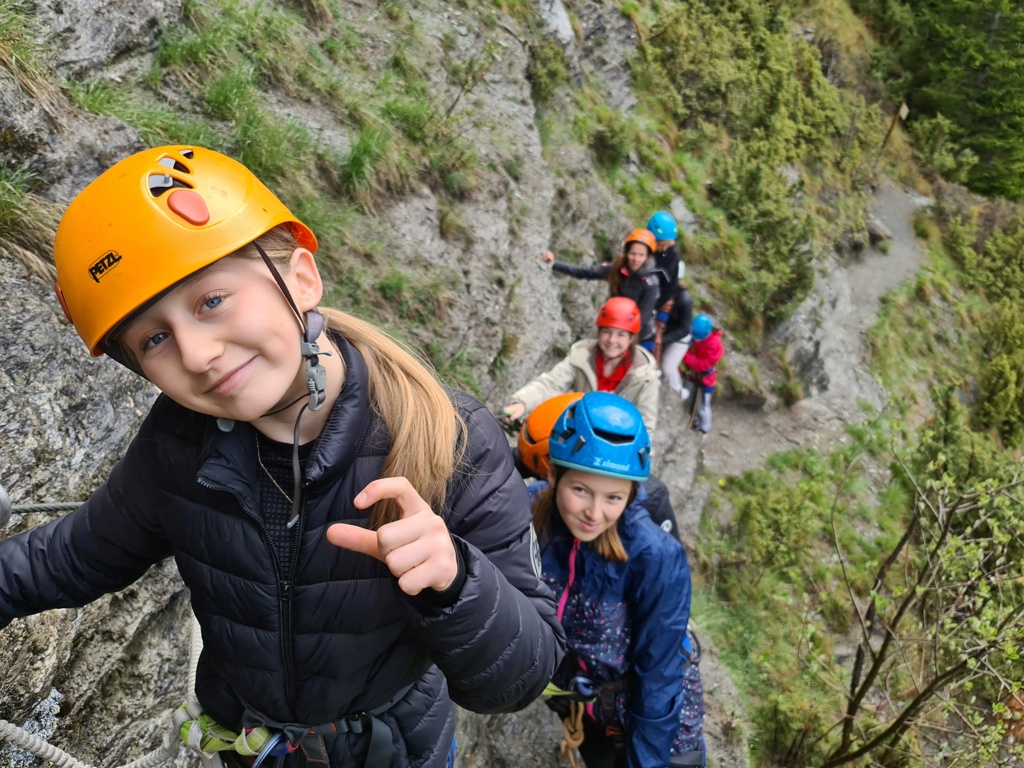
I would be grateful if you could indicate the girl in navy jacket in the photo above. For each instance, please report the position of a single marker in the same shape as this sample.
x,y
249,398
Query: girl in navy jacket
x,y
623,590
355,538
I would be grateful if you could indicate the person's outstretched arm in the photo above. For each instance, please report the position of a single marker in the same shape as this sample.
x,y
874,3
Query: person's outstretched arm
x,y
557,381
102,547
582,271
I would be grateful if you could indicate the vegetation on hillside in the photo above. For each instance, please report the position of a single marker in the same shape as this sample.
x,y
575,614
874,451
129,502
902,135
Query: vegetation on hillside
x,y
876,625
738,117
960,66
867,597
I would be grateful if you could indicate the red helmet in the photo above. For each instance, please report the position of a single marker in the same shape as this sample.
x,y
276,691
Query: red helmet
x,y
620,312
536,430
641,236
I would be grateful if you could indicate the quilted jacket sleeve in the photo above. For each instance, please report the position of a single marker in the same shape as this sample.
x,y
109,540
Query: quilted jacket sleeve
x,y
557,381
500,642
648,304
583,271
660,605
101,547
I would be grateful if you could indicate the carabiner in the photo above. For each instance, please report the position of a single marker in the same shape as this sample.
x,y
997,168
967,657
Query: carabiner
x,y
583,687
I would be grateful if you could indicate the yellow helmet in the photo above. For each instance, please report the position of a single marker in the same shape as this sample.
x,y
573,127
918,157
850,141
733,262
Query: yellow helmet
x,y
150,221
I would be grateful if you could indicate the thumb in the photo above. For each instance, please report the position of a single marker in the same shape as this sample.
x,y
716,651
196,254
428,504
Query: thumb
x,y
355,539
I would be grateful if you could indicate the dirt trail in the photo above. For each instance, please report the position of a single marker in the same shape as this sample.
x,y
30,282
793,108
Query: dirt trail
x,y
832,322
843,307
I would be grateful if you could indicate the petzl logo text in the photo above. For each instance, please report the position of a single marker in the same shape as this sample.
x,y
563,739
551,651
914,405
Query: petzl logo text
x,y
104,264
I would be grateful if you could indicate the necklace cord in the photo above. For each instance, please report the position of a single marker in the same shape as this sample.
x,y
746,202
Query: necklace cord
x,y
263,466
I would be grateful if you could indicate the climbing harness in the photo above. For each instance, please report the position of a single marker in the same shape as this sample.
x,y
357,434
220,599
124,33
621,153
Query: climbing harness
x,y
310,739
583,691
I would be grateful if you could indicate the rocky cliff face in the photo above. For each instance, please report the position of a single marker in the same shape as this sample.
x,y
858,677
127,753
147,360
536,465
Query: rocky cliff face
x,y
118,667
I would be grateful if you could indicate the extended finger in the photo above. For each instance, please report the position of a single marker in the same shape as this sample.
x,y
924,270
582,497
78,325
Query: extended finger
x,y
354,539
397,488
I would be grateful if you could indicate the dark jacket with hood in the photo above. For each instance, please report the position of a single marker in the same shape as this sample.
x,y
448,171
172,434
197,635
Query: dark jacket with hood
x,y
641,286
666,268
330,633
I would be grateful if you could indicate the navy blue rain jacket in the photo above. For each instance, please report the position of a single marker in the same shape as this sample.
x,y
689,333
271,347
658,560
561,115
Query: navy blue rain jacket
x,y
331,633
626,620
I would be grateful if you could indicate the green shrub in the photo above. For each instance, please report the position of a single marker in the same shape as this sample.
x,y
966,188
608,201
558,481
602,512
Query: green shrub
x,y
546,70
932,138
1001,380
777,525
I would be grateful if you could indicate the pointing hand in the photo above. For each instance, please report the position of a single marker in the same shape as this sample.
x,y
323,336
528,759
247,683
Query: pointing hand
x,y
416,548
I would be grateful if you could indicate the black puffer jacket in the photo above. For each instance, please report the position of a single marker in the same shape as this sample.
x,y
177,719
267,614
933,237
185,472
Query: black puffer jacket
x,y
677,327
641,287
335,635
666,268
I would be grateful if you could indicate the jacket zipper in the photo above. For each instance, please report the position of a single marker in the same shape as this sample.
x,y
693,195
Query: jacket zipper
x,y
572,577
284,585
286,607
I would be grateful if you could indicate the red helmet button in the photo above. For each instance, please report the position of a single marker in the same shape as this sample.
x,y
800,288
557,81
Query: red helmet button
x,y
189,205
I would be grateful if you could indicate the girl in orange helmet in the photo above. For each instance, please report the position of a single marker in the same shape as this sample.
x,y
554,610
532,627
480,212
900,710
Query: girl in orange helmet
x,y
629,274
613,362
338,517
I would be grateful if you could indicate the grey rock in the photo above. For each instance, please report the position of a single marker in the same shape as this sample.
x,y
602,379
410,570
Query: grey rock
x,y
556,17
877,230
684,217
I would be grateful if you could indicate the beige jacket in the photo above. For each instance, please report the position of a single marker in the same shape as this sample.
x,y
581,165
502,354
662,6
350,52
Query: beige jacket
x,y
578,373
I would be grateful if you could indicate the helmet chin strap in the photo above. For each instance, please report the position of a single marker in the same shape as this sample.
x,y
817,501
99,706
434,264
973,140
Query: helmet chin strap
x,y
312,325
314,374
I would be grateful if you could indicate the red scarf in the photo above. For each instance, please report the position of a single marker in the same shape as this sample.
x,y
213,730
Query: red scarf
x,y
611,383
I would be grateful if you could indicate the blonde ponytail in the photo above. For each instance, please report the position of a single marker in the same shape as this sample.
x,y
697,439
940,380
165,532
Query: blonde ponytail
x,y
428,436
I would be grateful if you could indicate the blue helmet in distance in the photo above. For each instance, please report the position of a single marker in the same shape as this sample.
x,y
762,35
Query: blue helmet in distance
x,y
604,434
663,226
701,327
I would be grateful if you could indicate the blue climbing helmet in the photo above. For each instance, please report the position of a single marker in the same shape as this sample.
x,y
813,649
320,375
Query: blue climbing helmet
x,y
663,226
604,434
701,327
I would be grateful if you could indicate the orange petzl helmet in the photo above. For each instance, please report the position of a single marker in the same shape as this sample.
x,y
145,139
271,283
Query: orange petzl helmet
x,y
534,434
619,312
644,236
151,220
